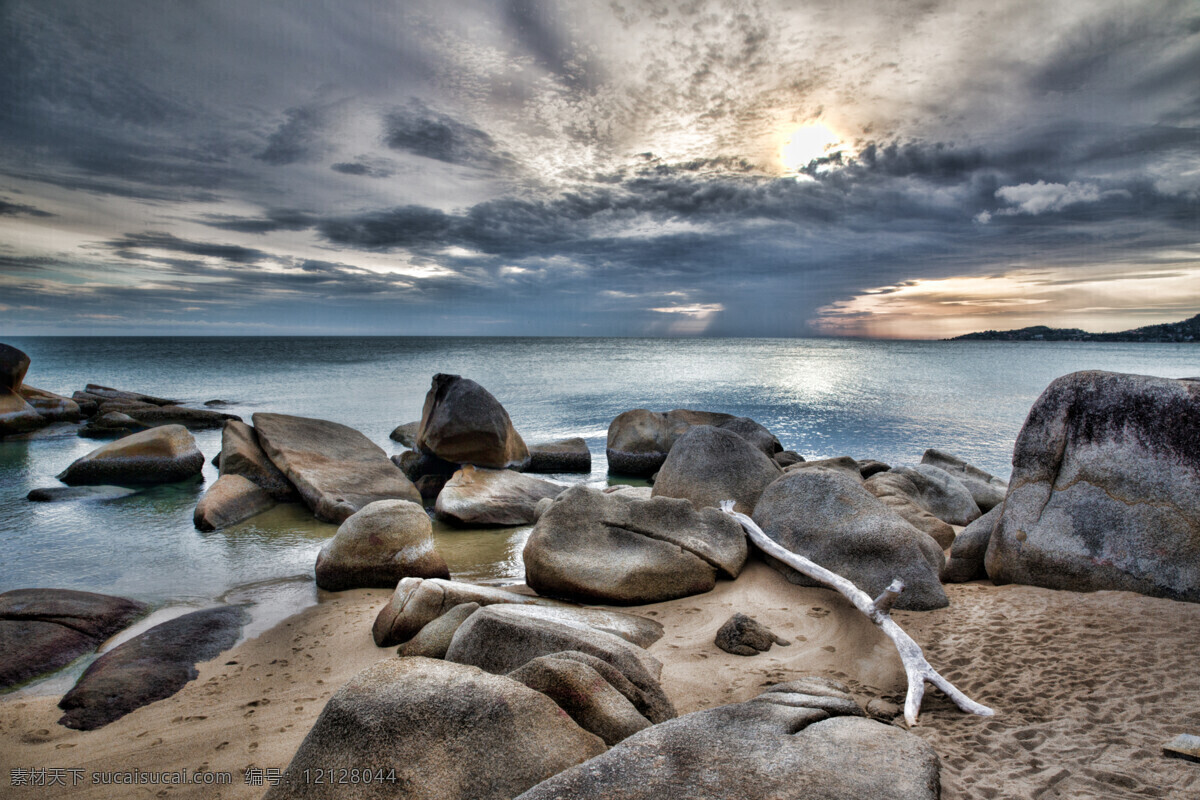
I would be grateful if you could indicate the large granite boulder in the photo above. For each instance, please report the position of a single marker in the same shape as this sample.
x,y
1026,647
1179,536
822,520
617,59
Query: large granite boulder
x,y
417,602
941,494
16,415
483,497
564,455
584,694
241,454
158,455
444,731
707,465
52,407
799,740
336,469
898,492
463,423
151,666
501,638
1105,490
639,440
377,546
970,548
828,517
986,489
607,548
434,639
232,499
42,630
850,466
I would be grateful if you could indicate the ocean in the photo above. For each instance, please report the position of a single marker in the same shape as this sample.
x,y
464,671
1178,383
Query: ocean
x,y
884,400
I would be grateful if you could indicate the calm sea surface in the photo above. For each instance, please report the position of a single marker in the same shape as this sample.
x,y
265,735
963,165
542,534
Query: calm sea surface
x,y
881,400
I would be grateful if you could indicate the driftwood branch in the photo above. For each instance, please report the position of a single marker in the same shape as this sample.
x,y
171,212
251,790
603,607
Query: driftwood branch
x,y
916,667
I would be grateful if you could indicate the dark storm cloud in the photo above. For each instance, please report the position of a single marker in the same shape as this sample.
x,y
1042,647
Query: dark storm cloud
x,y
295,138
275,220
126,245
8,209
424,132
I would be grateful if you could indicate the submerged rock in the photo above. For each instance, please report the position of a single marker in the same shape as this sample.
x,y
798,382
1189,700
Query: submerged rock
x,y
707,465
564,455
377,546
464,424
475,496
108,393
232,499
639,440
57,494
158,455
195,419
745,636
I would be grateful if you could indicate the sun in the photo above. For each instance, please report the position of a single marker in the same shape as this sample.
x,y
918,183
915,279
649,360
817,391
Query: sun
x,y
807,143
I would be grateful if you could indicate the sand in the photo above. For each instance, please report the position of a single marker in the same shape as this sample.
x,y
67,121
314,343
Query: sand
x,y
1087,688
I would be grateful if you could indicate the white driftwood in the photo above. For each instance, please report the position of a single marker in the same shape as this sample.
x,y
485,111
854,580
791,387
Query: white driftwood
x,y
916,667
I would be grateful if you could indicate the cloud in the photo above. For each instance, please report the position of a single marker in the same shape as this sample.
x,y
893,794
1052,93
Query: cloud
x,y
8,209
296,137
1042,197
419,130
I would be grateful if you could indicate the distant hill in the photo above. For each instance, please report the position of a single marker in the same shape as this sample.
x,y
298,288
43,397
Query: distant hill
x,y
1186,331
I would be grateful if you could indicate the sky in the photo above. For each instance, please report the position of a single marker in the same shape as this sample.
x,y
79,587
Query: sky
x,y
626,168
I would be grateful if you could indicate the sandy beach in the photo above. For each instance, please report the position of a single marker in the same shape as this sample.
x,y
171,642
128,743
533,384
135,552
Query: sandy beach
x,y
1087,687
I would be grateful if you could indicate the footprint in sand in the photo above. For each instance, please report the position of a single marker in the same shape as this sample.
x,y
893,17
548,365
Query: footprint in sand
x,y
221,746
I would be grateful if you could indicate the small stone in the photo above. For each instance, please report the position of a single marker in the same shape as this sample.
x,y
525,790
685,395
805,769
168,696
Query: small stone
x,y
745,636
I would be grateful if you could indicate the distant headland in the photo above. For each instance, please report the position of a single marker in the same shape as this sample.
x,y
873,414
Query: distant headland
x,y
1186,331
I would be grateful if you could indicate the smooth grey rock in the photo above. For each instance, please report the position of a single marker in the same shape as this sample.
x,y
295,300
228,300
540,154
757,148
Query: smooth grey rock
x,y
160,455
406,434
785,458
606,548
151,666
230,500
829,517
52,407
108,393
654,705
379,545
639,440
970,547
869,467
564,455
844,464
110,425
941,494
986,489
745,636
898,492
55,494
433,640
707,465
1105,490
241,454
463,423
195,419
478,497
336,469
783,745
449,731
584,694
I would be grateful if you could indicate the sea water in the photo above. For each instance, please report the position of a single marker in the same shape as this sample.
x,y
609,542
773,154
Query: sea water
x,y
821,397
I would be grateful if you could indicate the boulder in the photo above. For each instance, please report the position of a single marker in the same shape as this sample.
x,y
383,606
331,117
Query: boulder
x,y
828,517
417,602
159,455
477,497
607,548
707,465
797,741
232,499
444,731
564,455
844,464
406,434
42,630
500,638
56,494
242,455
13,366
336,469
745,636
941,494
900,494
16,415
377,546
986,489
639,440
195,419
52,407
654,705
785,458
870,467
584,694
1105,490
433,640
970,547
108,393
464,424
151,666
110,425
86,402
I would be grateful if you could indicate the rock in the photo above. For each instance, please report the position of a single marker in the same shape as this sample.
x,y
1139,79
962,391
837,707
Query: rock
x,y
217,403
898,492
1105,490
871,467
654,706
745,636
636,630
110,425
584,694
42,630
433,640
542,506
16,415
446,731
13,366
941,494
418,465
462,423
785,458
501,638
86,402
151,666
406,434
107,393
52,407
828,517
195,419
639,440
606,548
377,546
844,464
1185,746
430,486
970,547
475,497
417,602
242,455
986,489
630,492
336,469
564,455
159,455
797,741
232,499
707,465
55,494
